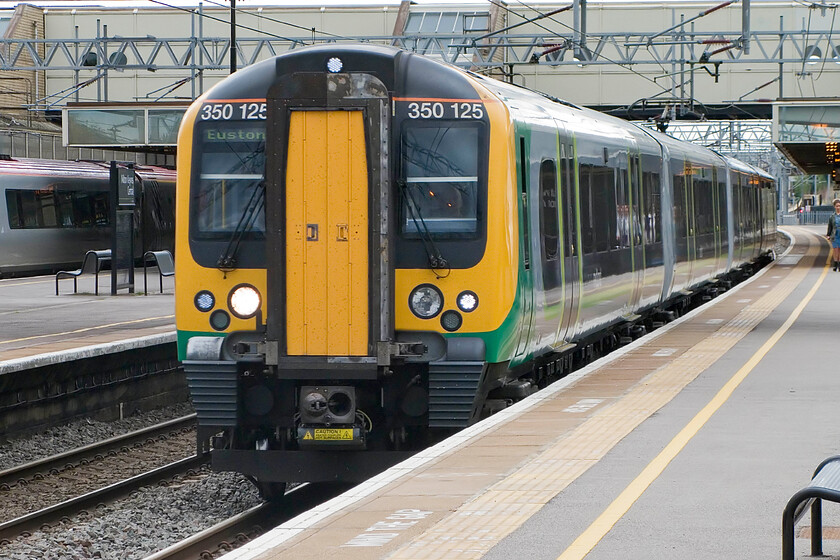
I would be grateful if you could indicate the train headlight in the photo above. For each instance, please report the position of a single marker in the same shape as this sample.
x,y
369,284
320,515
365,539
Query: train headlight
x,y
204,301
335,65
425,301
451,320
244,301
467,301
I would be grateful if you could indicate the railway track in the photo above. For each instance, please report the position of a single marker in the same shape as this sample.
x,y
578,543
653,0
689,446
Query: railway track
x,y
16,483
47,516
240,529
55,463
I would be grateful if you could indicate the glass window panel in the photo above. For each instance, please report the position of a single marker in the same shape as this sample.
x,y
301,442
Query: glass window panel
x,y
412,25
163,125
549,217
440,173
98,127
15,220
231,171
430,23
448,23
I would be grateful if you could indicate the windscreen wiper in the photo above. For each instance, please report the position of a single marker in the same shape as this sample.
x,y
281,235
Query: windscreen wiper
x,y
436,260
252,211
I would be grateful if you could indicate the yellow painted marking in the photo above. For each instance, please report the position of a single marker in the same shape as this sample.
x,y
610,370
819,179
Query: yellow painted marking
x,y
10,285
327,234
476,526
87,329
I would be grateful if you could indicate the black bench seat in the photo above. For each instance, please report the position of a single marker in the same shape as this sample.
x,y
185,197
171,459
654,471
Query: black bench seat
x,y
165,265
92,264
824,485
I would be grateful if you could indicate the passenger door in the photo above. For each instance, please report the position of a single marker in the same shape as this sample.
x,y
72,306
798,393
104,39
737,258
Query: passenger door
x,y
570,228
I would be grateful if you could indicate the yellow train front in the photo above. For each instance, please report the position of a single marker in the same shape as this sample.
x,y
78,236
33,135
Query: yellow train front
x,y
346,256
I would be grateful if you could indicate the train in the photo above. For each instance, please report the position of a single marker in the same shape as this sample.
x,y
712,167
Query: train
x,y
53,211
377,249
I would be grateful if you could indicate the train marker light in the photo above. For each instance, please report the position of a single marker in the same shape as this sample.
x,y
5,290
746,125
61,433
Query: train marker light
x,y
335,65
219,320
425,301
204,301
451,320
467,301
244,301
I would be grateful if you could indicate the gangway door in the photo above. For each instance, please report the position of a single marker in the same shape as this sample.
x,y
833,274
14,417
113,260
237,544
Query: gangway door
x,y
327,234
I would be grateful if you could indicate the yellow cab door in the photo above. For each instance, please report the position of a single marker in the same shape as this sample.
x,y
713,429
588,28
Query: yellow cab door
x,y
327,234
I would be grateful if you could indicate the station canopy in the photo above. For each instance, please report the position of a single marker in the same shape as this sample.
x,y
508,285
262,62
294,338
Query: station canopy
x,y
807,131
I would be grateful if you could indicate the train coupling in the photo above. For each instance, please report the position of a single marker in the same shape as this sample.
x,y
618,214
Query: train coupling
x,y
328,418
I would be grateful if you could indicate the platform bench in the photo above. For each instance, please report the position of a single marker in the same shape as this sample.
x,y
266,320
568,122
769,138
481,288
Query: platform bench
x,y
165,265
824,485
92,264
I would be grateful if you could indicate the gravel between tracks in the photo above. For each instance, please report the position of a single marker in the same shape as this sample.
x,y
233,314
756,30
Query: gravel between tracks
x,y
139,525
77,433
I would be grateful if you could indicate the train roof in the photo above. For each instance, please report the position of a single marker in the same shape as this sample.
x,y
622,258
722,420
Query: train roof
x,y
77,168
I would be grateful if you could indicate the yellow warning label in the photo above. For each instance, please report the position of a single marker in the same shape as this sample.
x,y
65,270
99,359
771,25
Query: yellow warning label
x,y
308,435
332,434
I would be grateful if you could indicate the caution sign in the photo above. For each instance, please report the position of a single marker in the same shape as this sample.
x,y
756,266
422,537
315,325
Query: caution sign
x,y
320,438
332,434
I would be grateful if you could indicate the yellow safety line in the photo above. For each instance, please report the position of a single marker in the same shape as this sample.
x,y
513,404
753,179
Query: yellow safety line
x,y
87,329
584,544
10,285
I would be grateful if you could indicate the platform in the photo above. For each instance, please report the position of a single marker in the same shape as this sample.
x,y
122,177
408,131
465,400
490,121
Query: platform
x,y
37,325
687,443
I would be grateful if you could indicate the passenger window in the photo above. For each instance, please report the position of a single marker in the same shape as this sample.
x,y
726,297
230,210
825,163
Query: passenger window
x,y
598,208
549,220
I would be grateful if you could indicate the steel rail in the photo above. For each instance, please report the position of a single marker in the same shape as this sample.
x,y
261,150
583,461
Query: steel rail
x,y
238,530
9,477
37,519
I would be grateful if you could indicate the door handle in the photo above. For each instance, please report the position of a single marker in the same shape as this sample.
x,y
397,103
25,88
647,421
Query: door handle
x,y
343,233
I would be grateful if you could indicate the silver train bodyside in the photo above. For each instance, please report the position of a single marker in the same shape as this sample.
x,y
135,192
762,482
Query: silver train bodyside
x,y
52,212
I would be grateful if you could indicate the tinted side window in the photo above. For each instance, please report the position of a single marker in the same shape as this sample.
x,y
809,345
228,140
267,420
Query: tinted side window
x,y
598,208
46,208
549,222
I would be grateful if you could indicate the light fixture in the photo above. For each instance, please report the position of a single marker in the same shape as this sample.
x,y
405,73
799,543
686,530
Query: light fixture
x,y
582,55
425,301
204,301
335,65
244,301
467,301
451,320
813,54
219,320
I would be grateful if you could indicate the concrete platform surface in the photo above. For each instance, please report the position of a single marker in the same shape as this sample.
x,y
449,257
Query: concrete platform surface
x,y
687,443
34,321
